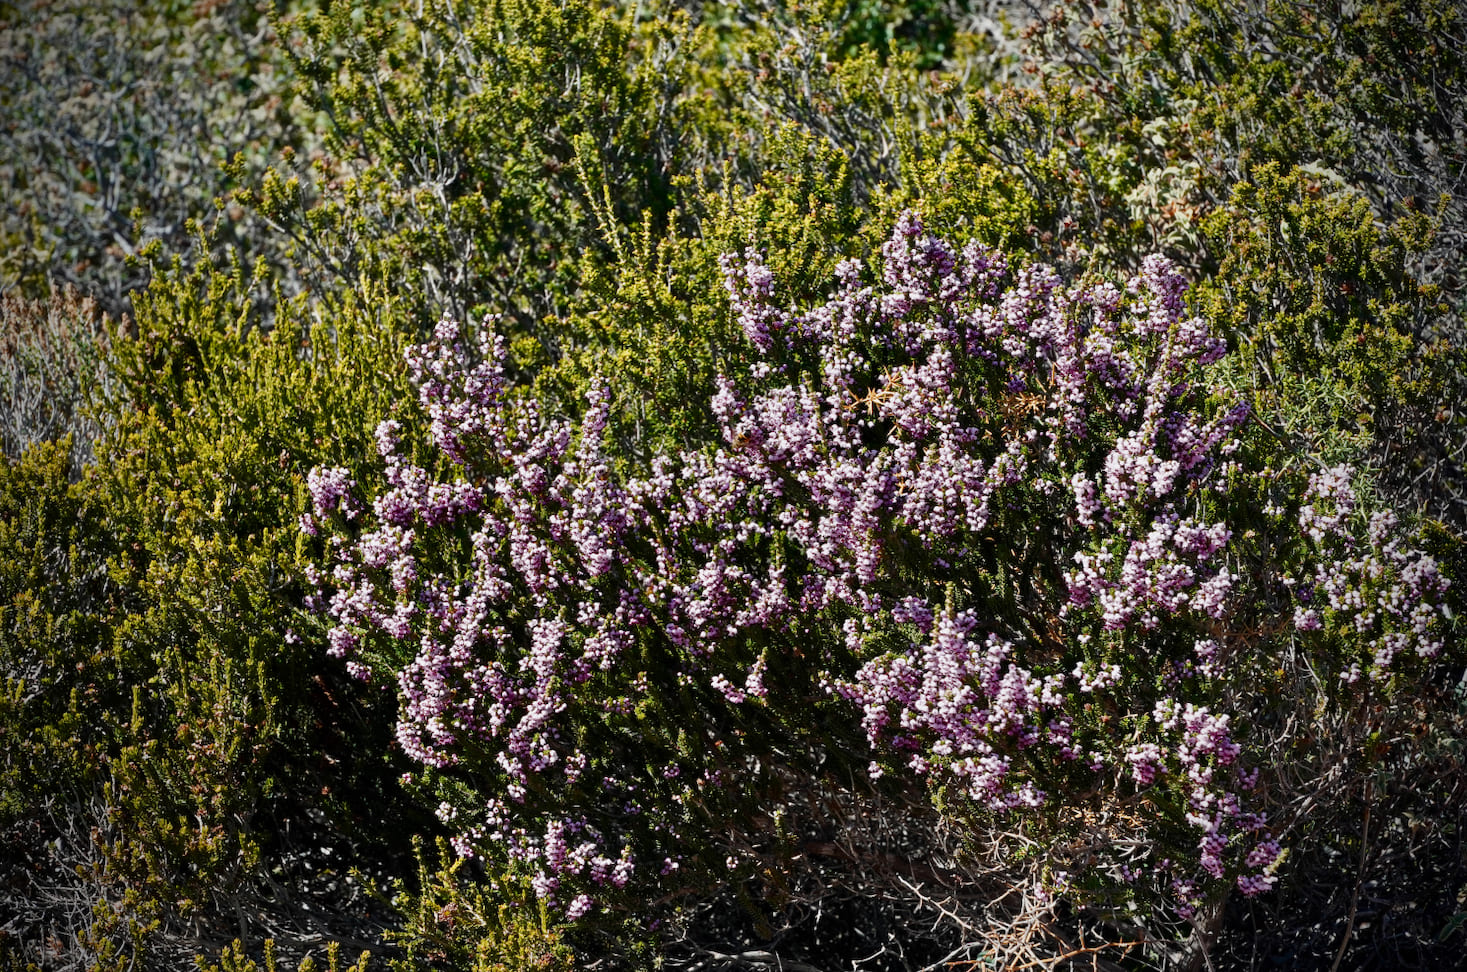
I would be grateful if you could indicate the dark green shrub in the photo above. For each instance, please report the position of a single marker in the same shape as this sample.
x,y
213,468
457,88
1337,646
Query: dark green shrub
x,y
56,599
229,782
1349,359
457,135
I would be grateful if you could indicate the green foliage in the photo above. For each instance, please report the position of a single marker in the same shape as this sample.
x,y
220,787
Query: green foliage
x,y
658,320
235,958
455,919
203,471
193,710
1369,94
1322,295
925,30
55,598
452,160
498,156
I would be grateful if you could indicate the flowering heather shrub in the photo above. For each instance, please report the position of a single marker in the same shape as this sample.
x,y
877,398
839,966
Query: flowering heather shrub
x,y
990,521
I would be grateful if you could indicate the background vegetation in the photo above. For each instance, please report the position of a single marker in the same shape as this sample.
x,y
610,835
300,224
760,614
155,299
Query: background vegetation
x,y
221,226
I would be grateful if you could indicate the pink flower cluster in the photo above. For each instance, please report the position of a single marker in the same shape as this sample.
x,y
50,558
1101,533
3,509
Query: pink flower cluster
x,y
1365,585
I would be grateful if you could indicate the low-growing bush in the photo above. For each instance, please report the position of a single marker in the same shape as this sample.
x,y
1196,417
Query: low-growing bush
x,y
191,771
993,529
